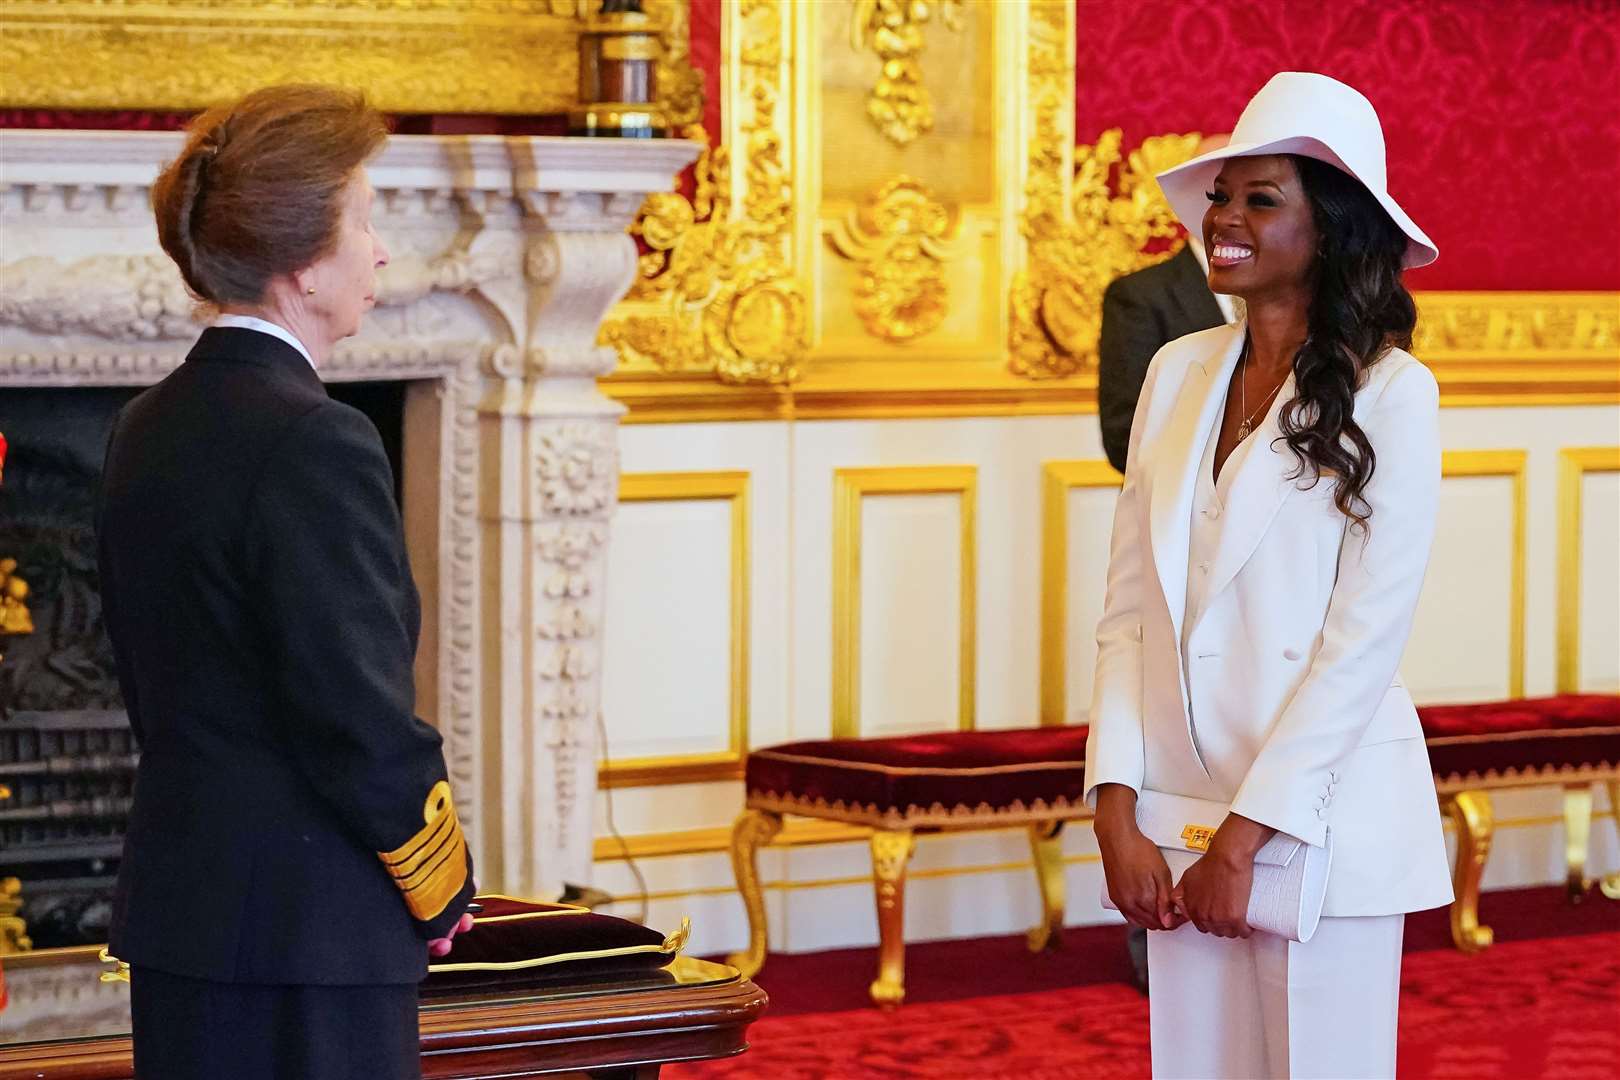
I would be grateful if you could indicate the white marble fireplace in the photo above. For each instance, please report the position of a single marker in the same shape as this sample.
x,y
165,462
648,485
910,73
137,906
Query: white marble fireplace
x,y
507,252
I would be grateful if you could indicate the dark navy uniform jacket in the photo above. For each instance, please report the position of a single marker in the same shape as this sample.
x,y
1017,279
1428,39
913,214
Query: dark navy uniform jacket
x,y
292,823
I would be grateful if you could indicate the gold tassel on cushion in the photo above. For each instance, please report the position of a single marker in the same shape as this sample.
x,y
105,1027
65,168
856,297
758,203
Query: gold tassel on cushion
x,y
431,867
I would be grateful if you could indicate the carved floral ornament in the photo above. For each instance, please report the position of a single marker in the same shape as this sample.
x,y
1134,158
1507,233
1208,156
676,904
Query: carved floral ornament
x,y
899,105
900,234
715,291
1115,220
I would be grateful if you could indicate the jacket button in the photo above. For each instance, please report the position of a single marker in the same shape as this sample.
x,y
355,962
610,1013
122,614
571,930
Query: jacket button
x,y
1290,654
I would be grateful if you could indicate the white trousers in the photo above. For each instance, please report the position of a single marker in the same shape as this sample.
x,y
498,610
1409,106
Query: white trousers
x,y
1235,1009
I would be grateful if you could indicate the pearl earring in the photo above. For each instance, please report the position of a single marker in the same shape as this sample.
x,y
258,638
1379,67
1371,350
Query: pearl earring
x,y
310,290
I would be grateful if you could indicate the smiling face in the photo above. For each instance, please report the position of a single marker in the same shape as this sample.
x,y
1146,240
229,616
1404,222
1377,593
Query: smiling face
x,y
345,278
1259,231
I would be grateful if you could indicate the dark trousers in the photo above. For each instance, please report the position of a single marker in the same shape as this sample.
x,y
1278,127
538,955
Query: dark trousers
x,y
194,1029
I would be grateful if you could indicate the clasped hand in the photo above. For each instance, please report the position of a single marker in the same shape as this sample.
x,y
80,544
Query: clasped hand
x,y
1214,892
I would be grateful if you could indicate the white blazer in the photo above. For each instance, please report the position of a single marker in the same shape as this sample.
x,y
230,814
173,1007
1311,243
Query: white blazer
x,y
1301,718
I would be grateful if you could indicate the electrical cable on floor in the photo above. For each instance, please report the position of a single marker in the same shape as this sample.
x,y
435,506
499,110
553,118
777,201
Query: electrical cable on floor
x,y
640,895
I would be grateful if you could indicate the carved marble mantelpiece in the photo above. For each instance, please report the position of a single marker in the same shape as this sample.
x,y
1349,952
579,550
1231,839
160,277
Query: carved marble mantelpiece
x,y
506,254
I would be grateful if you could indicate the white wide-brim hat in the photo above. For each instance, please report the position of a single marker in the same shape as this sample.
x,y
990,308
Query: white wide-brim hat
x,y
1300,112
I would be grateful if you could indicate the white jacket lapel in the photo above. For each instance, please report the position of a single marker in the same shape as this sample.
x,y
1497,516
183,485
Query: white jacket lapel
x,y
1174,468
1255,492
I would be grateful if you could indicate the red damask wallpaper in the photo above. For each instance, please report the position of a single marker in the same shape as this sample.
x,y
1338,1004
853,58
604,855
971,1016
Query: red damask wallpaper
x,y
1502,117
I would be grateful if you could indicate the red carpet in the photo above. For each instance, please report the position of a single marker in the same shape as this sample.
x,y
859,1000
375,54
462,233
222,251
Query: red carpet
x,y
1531,1006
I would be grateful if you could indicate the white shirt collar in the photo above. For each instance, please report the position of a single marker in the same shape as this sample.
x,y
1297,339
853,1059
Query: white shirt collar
x,y
1224,302
250,322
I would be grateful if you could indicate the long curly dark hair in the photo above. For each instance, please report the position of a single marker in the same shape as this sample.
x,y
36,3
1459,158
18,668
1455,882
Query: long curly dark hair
x,y
1359,310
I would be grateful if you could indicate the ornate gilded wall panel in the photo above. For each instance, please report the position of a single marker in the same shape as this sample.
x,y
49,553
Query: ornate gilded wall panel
x,y
716,293
769,288
1008,322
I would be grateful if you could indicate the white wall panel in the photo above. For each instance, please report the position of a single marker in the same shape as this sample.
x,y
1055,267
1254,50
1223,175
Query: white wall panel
x,y
911,613
1461,648
1090,514
1599,628
668,631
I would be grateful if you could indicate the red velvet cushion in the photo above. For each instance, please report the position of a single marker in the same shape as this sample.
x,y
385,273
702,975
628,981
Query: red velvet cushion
x,y
939,778
518,942
1567,735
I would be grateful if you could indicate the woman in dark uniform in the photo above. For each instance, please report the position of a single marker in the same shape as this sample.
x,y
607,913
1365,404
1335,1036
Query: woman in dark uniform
x,y
293,854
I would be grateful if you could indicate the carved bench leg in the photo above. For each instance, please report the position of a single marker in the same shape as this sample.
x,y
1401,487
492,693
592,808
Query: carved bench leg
x,y
1577,837
1471,810
1046,842
891,850
1610,886
753,829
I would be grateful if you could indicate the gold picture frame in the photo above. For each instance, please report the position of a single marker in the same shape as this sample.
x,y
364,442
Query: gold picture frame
x,y
516,57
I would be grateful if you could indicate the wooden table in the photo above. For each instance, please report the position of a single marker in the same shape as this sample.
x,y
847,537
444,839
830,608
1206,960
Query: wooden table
x,y
610,1029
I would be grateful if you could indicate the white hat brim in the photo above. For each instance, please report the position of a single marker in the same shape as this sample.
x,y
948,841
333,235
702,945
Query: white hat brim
x,y
1186,186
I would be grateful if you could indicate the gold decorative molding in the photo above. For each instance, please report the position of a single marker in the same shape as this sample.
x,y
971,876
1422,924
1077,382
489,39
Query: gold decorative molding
x,y
1058,478
1521,348
411,56
716,292
1513,465
1106,227
776,347
1475,368
799,831
900,234
1574,463
725,764
1547,326
899,104
850,487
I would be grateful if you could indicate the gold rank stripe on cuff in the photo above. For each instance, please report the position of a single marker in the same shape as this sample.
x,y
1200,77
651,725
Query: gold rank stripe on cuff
x,y
431,867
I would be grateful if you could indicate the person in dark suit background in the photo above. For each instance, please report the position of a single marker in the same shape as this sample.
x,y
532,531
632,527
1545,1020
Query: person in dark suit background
x,y
293,854
1142,311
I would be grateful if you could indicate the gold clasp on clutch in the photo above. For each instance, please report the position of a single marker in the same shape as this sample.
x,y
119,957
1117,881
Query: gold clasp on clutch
x,y
1197,837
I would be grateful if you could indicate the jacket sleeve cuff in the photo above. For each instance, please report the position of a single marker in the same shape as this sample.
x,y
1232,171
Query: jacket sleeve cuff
x,y
433,869
440,924
1290,809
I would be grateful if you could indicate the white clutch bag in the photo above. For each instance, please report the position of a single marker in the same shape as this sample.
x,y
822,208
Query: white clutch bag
x,y
1290,876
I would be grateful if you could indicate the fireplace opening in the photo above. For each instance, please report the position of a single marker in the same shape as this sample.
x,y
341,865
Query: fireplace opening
x,y
67,756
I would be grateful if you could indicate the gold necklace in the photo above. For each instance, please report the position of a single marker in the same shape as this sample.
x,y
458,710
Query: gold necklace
x,y
1246,428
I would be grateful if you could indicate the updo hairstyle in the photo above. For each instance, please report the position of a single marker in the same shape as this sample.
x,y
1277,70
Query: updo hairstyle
x,y
258,189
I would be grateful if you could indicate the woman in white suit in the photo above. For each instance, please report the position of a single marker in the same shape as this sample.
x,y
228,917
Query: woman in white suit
x,y
1269,545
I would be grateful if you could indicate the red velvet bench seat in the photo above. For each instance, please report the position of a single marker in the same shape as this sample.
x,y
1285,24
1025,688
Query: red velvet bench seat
x,y
1572,740
898,787
1035,778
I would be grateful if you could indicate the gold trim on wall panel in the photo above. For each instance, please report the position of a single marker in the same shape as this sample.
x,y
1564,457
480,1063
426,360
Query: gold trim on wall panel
x,y
797,832
1573,465
1058,478
1512,464
411,56
850,486
726,764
